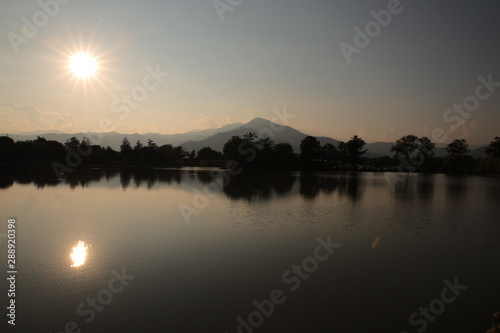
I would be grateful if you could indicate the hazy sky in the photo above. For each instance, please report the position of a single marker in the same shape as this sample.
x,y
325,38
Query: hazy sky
x,y
263,55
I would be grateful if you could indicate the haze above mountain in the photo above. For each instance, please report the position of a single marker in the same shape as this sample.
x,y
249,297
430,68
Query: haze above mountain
x,y
216,137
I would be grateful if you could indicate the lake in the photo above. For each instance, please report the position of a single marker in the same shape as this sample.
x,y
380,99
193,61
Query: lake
x,y
178,250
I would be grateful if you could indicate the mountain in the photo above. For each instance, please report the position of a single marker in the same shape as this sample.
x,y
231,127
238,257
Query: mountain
x,y
114,139
216,137
377,149
478,152
279,134
42,132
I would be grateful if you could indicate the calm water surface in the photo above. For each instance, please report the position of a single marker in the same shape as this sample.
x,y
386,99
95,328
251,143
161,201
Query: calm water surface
x,y
199,274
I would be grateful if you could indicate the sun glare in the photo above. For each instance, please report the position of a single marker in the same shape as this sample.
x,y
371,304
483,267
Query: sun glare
x,y
79,254
83,65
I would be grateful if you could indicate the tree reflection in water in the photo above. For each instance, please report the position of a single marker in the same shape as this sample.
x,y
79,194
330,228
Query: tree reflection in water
x,y
247,186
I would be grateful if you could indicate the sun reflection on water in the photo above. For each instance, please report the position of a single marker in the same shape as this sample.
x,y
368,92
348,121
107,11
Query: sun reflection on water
x,y
79,254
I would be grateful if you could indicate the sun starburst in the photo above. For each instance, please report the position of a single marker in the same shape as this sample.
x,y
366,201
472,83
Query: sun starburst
x,y
83,65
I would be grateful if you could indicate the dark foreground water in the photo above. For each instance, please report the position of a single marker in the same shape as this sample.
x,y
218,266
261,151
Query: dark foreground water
x,y
110,251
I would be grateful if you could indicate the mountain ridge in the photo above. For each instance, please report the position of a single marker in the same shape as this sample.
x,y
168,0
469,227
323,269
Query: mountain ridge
x,y
216,137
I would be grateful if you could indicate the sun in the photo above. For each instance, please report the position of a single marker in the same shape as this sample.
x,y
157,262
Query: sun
x,y
83,65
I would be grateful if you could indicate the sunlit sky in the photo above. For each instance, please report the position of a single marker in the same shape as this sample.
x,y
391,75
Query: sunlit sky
x,y
263,55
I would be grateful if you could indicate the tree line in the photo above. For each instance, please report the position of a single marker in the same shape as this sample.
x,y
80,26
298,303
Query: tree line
x,y
419,154
410,153
42,150
254,153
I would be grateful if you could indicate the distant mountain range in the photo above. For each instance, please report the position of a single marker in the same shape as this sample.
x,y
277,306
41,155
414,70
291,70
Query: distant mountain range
x,y
279,133
216,137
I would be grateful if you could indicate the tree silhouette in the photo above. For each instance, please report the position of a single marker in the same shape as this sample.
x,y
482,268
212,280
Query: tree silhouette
x,y
426,147
150,150
492,163
493,150
85,146
208,154
310,149
180,153
72,143
6,147
126,149
283,156
166,153
458,160
23,150
138,145
152,145
251,138
406,147
231,149
265,152
458,147
416,151
125,146
329,152
355,150
138,151
110,154
343,153
253,152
